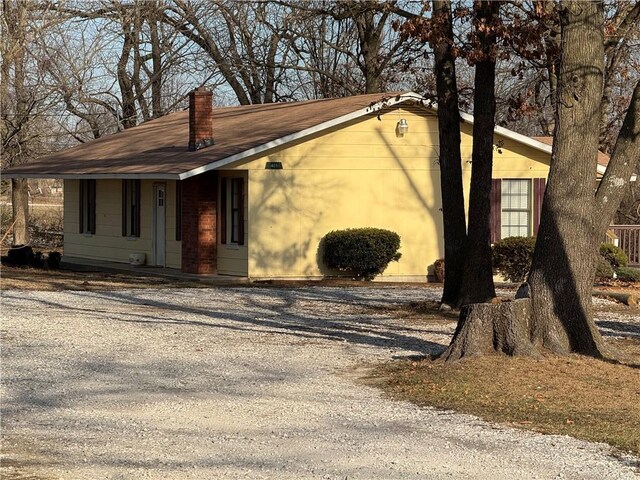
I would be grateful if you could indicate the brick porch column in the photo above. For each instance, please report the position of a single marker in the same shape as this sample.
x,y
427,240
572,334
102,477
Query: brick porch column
x,y
199,242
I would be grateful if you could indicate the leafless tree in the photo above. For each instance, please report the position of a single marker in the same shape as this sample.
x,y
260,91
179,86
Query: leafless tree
x,y
25,125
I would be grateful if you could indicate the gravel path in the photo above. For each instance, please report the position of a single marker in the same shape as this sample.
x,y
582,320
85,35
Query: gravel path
x,y
242,383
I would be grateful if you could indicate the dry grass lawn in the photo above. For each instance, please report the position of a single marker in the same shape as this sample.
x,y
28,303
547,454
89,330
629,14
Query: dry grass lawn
x,y
595,400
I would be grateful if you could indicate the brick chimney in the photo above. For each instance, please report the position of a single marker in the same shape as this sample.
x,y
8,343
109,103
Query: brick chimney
x,y
200,118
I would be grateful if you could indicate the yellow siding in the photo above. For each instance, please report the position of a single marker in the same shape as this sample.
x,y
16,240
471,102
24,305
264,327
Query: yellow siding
x,y
511,159
361,175
108,243
357,175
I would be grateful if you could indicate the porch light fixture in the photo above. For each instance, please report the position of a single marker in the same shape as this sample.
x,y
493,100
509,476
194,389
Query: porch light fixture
x,y
403,127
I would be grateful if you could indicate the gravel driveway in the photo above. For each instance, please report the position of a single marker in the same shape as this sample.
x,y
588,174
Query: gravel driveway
x,y
242,383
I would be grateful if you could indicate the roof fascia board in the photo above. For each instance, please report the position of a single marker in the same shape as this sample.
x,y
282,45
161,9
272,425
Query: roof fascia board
x,y
278,142
97,176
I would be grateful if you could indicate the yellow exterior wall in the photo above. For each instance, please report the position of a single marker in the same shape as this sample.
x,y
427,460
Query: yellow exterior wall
x,y
108,244
511,159
361,175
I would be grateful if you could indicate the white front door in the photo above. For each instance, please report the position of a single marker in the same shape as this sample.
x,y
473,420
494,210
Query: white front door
x,y
159,230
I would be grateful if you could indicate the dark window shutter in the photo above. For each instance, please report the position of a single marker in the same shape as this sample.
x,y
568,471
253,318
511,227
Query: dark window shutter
x,y
241,212
81,196
136,213
124,208
178,210
92,207
223,210
539,185
496,209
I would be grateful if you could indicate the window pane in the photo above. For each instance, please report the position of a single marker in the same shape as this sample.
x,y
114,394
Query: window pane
x,y
516,207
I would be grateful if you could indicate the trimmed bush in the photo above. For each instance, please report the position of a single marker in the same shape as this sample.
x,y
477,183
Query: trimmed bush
x,y
614,255
512,257
604,271
627,274
362,252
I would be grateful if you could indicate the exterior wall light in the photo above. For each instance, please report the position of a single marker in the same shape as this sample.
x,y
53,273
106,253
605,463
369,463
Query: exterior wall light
x,y
403,127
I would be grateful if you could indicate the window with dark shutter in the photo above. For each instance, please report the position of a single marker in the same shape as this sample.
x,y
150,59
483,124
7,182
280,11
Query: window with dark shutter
x,y
223,211
232,211
131,208
87,207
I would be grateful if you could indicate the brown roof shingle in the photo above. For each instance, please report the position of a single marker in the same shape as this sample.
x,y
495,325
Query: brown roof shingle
x,y
159,147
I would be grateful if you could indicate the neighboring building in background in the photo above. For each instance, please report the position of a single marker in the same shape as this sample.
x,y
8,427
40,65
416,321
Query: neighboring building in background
x,y
250,191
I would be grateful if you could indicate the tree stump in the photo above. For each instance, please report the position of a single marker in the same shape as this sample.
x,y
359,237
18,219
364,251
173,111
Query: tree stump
x,y
485,328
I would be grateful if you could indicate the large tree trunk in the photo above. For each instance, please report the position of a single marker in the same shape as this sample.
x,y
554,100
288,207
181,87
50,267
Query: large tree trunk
x,y
573,218
624,161
477,279
485,328
450,160
20,206
14,127
562,272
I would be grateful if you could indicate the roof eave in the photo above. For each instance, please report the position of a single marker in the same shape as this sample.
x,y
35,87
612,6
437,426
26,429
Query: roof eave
x,y
95,176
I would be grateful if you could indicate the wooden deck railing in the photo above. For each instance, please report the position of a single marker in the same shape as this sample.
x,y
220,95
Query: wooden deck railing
x,y
629,241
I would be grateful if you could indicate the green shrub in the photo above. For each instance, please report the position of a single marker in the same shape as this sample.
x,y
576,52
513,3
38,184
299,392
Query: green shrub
x,y
627,274
604,270
363,252
614,255
512,257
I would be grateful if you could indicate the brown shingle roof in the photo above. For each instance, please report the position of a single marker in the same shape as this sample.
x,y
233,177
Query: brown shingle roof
x,y
603,158
159,147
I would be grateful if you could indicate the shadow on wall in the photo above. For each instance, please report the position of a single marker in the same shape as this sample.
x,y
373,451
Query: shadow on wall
x,y
293,208
429,215
278,248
